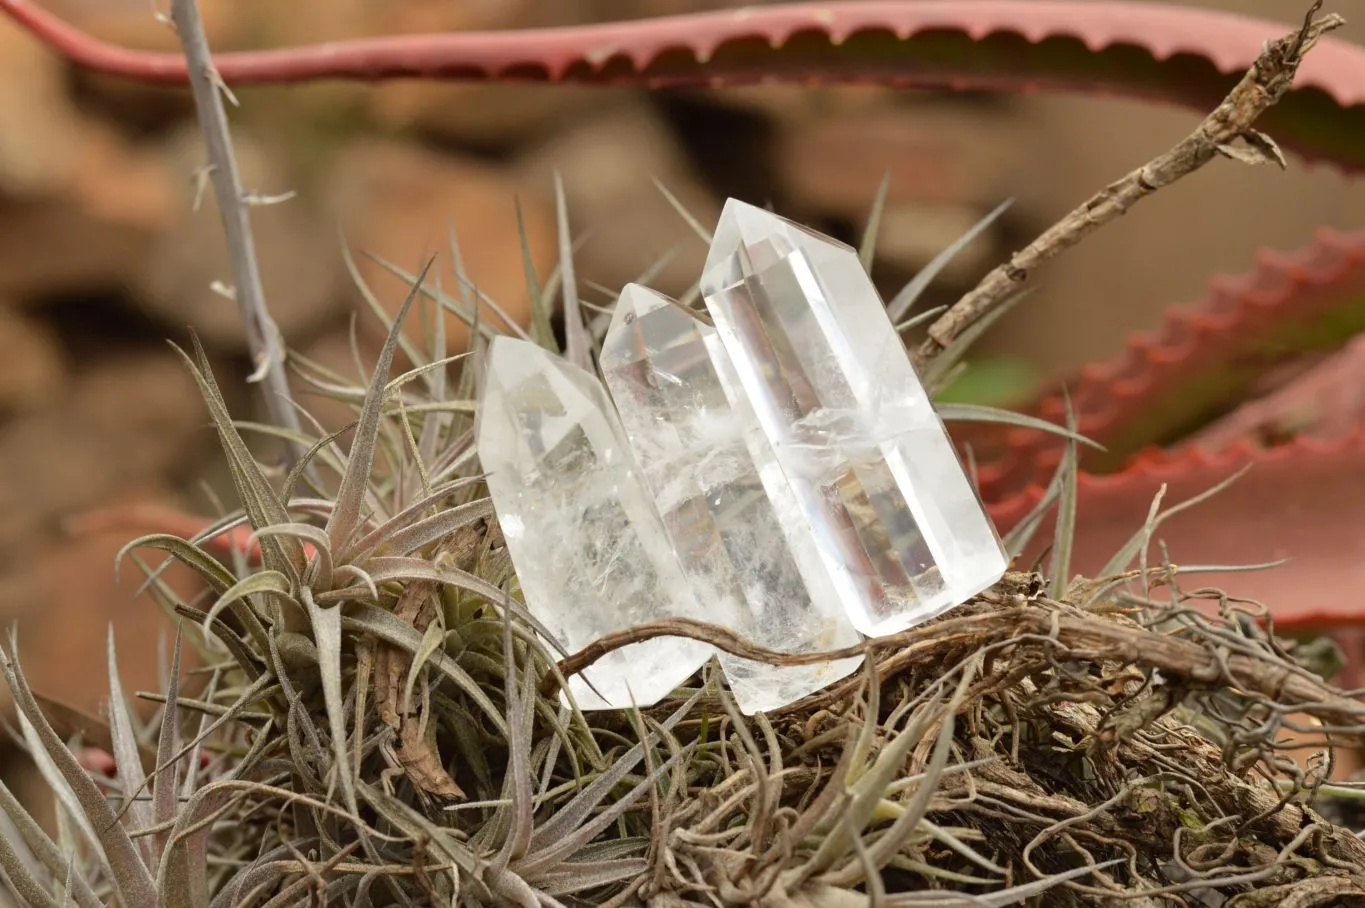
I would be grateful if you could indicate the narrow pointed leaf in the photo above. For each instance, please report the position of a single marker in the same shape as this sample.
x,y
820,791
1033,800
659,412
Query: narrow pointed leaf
x,y
262,505
390,629
166,782
326,623
575,332
46,851
126,751
902,302
345,518
133,879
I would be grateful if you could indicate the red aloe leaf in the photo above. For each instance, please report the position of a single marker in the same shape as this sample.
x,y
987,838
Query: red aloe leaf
x,y
1201,362
1304,501
1187,57
1325,400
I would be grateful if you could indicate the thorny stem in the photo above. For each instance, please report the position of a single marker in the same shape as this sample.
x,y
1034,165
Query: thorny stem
x,y
1270,77
262,336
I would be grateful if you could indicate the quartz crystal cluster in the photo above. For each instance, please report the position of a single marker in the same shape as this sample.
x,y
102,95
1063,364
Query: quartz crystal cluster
x,y
782,474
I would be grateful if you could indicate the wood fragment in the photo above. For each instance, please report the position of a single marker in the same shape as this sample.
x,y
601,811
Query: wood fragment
x,y
416,606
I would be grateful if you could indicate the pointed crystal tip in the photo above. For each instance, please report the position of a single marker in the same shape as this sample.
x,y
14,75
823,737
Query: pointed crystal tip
x,y
591,554
854,432
760,236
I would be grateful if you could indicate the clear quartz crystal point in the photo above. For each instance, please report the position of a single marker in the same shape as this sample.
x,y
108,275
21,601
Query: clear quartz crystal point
x,y
590,550
738,531
901,531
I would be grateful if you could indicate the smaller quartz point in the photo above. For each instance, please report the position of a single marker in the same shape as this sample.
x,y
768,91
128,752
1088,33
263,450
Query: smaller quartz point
x,y
590,549
901,531
738,531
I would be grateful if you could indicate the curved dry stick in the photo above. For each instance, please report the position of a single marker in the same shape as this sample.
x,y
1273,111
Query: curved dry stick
x,y
1095,639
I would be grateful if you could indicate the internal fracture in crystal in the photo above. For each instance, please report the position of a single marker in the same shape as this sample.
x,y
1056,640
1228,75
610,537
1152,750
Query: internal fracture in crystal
x,y
590,550
901,532
736,527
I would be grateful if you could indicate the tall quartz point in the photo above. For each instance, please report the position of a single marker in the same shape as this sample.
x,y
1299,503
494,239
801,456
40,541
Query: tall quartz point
x,y
590,550
739,532
901,532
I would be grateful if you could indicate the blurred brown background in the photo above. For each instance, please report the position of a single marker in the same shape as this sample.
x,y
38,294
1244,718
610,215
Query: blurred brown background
x,y
102,258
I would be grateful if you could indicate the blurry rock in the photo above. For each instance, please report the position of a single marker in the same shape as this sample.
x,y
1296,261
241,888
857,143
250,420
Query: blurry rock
x,y
486,116
94,229
311,21
31,368
935,153
40,131
133,23
48,249
122,422
297,251
626,224
622,10
125,183
799,103
71,602
399,202
483,116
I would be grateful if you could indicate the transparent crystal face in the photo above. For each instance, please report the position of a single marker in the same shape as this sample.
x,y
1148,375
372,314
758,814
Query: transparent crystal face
x,y
739,533
900,530
591,553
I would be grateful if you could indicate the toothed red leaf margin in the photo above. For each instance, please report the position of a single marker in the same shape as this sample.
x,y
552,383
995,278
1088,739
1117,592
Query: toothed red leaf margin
x,y
1186,57
1202,361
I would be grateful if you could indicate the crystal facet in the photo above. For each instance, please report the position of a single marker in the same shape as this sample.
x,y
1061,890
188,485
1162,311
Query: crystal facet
x,y
901,531
591,552
738,531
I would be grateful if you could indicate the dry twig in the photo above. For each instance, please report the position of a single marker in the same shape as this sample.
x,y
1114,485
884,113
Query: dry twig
x,y
416,755
1270,77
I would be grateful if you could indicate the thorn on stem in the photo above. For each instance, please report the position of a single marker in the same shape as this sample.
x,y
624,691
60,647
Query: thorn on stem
x,y
260,200
218,83
201,185
163,18
263,363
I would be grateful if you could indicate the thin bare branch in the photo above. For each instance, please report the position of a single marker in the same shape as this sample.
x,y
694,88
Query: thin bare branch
x,y
1270,77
